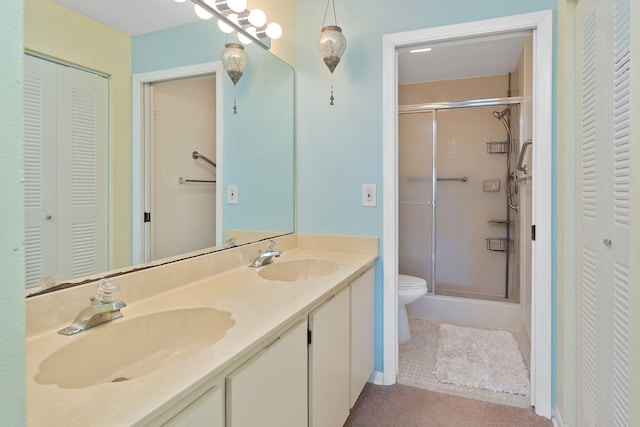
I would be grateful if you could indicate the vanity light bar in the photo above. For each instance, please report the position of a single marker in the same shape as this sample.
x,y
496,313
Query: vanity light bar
x,y
257,37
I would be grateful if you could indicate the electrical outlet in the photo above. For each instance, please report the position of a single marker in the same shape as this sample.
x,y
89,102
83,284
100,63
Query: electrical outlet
x,y
232,194
368,194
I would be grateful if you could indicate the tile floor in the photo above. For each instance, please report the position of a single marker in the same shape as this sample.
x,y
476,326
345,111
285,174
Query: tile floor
x,y
418,358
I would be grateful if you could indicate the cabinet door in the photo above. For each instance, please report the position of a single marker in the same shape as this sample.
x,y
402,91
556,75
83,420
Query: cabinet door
x,y
270,390
207,410
329,362
362,332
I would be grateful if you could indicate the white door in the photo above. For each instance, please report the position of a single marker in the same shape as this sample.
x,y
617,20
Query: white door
x,y
66,171
182,212
603,165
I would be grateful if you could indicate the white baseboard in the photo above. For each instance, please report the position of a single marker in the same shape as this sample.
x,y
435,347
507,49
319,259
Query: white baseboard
x,y
557,418
376,378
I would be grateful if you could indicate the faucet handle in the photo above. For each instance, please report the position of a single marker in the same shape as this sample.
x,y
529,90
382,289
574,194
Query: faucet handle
x,y
272,246
106,289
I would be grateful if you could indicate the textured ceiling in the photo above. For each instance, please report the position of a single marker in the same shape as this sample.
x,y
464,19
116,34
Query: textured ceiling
x,y
135,17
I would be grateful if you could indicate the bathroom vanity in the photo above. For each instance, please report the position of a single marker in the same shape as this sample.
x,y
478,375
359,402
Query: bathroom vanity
x,y
212,341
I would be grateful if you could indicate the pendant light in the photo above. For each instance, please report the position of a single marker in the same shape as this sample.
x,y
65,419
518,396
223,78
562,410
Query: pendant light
x,y
234,60
331,44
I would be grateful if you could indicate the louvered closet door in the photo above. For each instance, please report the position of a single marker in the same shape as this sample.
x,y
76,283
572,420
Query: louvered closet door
x,y
82,172
66,160
603,132
40,182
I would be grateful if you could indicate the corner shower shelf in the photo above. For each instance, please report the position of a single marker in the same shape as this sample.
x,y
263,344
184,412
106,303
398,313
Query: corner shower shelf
x,y
498,244
497,147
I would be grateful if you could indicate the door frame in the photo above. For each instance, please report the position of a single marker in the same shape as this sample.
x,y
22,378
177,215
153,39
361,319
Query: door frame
x,y
541,23
140,151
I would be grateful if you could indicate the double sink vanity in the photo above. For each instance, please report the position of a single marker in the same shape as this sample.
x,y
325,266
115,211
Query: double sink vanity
x,y
212,341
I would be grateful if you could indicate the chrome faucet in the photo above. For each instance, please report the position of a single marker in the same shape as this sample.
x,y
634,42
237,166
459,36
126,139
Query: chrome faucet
x,y
266,257
101,310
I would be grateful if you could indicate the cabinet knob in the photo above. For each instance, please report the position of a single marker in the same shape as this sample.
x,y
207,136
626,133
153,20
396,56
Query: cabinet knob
x,y
607,242
48,217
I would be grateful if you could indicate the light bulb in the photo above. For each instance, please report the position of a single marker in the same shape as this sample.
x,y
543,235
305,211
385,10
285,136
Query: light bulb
x,y
244,39
226,28
257,18
274,30
202,14
237,5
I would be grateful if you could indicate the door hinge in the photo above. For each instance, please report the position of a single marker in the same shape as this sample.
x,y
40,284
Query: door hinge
x,y
533,232
147,217
308,336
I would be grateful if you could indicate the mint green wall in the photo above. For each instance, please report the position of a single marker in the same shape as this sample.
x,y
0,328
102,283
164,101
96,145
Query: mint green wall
x,y
12,390
339,148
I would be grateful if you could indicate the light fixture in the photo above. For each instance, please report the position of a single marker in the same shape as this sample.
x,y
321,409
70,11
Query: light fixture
x,y
331,44
226,28
234,60
233,15
201,11
255,18
424,49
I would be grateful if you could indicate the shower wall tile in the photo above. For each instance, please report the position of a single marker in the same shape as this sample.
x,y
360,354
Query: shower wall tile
x,y
454,90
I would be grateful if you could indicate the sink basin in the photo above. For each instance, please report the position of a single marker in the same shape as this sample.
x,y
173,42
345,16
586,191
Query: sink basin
x,y
300,269
126,349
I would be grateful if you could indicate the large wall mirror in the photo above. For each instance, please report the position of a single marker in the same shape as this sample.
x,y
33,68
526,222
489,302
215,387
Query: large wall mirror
x,y
252,150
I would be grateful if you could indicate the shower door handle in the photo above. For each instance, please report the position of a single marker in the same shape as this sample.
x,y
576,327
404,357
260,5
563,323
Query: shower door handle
x,y
523,151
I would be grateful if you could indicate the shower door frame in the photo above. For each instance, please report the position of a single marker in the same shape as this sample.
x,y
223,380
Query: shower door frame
x,y
543,279
433,108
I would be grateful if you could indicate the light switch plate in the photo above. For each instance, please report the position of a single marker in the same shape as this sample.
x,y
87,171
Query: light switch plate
x,y
368,195
232,194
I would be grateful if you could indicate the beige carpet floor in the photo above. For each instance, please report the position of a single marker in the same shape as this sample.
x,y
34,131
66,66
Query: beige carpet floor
x,y
417,359
404,406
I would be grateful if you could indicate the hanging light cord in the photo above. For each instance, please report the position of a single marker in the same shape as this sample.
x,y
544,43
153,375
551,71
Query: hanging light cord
x,y
335,17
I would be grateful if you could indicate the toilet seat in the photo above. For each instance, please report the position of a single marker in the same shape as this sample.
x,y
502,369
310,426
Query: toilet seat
x,y
407,283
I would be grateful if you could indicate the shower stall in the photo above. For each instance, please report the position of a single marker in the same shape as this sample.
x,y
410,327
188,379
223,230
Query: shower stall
x,y
458,220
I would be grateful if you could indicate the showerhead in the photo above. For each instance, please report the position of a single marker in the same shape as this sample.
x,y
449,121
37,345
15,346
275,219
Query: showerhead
x,y
500,114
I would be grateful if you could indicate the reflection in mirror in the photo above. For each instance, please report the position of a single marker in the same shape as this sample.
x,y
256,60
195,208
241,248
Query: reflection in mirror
x,y
257,143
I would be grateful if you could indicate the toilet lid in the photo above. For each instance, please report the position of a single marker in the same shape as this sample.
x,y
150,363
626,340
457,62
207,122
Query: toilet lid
x,y
410,282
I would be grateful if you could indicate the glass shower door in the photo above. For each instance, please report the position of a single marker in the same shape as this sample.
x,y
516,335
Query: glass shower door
x,y
415,195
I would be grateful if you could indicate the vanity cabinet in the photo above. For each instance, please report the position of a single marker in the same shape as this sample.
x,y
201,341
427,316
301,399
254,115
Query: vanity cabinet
x,y
207,410
270,389
362,317
329,362
341,351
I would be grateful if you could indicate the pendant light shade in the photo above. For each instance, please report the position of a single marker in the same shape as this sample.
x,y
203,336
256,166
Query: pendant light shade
x,y
235,60
331,44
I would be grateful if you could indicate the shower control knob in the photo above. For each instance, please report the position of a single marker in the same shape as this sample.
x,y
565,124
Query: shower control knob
x,y
607,242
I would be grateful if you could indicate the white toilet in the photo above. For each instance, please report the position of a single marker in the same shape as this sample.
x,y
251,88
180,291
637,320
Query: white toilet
x,y
410,288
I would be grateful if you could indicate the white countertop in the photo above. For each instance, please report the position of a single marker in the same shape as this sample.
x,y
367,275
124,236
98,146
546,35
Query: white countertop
x,y
261,309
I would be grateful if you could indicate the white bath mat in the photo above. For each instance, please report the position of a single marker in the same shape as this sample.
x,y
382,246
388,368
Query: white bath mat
x,y
480,358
